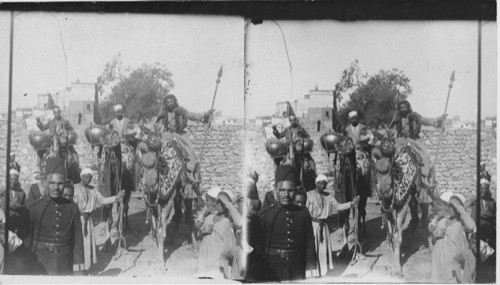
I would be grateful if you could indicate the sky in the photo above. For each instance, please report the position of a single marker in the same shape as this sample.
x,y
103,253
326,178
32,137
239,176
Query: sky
x,y
192,47
426,51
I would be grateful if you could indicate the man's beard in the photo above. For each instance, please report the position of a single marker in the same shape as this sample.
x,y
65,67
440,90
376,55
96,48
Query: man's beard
x,y
119,117
170,108
355,123
405,112
16,185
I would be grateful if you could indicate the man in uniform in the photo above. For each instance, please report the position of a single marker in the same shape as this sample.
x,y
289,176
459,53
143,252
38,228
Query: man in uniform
x,y
56,230
287,239
55,126
294,131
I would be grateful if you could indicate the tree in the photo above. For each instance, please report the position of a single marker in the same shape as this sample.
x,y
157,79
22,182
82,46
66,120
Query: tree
x,y
350,79
375,99
140,92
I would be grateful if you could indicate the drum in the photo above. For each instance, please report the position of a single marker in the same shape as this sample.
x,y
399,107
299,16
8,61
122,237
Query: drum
x,y
40,140
308,145
72,137
95,134
276,148
331,142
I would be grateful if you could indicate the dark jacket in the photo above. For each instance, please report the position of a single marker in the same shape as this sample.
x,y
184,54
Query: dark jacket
x,y
287,228
57,222
55,125
181,117
410,125
297,131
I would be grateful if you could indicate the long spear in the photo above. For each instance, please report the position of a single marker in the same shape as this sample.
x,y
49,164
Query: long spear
x,y
207,126
452,79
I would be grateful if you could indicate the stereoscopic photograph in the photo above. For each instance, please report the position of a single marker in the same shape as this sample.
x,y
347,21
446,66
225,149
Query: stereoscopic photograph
x,y
146,148
126,144
361,137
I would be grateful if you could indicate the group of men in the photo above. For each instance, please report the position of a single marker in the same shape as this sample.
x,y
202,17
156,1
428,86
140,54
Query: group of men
x,y
293,239
52,224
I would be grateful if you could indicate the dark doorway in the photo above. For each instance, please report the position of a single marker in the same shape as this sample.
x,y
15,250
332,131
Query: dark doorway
x,y
319,126
79,119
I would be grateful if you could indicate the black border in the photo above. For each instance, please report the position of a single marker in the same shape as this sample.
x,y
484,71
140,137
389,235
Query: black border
x,y
343,10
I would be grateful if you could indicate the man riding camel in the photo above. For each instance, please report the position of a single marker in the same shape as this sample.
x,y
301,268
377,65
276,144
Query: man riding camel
x,y
119,123
293,132
406,125
174,119
55,126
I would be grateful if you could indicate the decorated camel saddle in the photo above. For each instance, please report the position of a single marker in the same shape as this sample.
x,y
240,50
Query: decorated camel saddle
x,y
163,160
402,161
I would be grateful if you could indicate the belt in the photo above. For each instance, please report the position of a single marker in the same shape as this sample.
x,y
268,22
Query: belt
x,y
318,220
321,224
283,253
53,247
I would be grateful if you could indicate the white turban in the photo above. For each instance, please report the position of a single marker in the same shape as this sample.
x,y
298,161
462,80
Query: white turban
x,y
228,193
484,181
448,195
13,172
353,114
86,171
118,107
214,192
321,177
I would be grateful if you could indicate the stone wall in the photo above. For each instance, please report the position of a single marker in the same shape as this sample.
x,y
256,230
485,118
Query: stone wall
x,y
225,156
456,168
222,166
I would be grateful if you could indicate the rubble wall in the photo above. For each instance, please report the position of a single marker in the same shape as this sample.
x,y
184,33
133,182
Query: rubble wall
x,y
222,165
456,168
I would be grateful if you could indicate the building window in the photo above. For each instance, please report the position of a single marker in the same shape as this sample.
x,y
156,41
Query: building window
x,y
327,114
88,107
79,119
319,125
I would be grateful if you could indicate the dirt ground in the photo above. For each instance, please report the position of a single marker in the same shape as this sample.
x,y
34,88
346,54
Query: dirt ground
x,y
142,259
376,264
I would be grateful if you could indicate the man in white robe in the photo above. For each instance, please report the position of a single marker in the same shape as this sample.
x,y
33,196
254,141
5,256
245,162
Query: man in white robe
x,y
88,199
321,205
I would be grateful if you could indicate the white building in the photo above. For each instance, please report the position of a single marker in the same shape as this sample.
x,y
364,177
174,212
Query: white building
x,y
315,99
77,92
